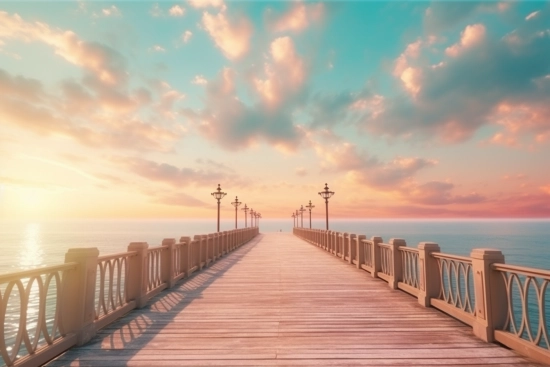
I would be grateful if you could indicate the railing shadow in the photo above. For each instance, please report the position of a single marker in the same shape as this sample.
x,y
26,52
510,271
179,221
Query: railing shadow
x,y
136,329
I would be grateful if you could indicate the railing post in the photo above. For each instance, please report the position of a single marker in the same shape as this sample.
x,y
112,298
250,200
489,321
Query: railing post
x,y
351,247
138,274
210,248
376,262
167,263
360,249
490,293
224,243
429,282
343,245
395,243
79,293
185,255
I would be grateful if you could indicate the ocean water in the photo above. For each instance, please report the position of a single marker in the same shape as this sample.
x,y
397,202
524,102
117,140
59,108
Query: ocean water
x,y
29,244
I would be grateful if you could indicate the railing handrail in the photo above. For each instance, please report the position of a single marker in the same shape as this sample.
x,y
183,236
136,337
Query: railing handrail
x,y
117,255
524,270
439,255
408,249
9,277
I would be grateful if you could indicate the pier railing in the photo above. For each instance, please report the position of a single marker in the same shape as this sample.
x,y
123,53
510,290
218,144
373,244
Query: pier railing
x,y
45,311
503,303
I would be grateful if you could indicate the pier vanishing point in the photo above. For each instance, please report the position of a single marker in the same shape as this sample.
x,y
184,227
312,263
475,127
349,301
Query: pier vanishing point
x,y
241,298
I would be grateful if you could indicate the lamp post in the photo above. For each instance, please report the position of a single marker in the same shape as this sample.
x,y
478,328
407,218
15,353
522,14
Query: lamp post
x,y
236,204
310,206
259,216
251,217
218,195
302,210
245,214
326,194
294,219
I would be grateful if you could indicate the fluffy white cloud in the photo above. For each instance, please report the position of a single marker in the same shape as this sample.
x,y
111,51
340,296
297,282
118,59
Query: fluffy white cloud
x,y
232,36
176,11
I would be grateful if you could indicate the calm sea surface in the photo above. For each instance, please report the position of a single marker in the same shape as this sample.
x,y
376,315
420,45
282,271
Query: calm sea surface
x,y
26,245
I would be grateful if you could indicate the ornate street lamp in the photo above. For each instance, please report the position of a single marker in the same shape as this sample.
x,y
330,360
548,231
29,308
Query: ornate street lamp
x,y
245,214
259,216
218,195
326,194
251,217
294,219
236,204
310,206
302,210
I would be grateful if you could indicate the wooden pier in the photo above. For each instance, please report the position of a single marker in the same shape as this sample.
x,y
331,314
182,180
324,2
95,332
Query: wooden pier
x,y
280,301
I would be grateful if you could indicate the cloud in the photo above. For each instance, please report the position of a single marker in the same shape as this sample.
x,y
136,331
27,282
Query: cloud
x,y
235,125
104,62
439,193
199,80
157,48
472,36
284,75
101,117
339,156
178,177
201,4
111,11
297,18
176,11
480,80
532,15
186,36
232,36
178,199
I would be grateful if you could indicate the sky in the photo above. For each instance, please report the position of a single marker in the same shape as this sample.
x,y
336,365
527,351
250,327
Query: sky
x,y
135,109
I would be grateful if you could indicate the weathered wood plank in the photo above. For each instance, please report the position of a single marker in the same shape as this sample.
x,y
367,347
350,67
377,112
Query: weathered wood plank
x,y
279,301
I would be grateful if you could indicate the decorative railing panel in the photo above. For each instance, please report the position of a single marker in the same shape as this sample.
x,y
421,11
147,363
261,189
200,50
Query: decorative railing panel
x,y
410,269
154,261
386,257
456,281
112,275
30,312
177,259
527,293
368,253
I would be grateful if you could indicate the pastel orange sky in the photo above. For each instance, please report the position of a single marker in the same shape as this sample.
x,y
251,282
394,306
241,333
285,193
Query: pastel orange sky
x,y
406,109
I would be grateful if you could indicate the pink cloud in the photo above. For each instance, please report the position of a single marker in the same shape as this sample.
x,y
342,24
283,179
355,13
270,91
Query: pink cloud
x,y
285,75
107,64
471,36
231,36
298,17
200,4
521,118
410,76
234,125
186,36
199,80
176,11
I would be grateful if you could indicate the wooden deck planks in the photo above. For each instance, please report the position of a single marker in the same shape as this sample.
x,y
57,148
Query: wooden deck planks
x,y
279,301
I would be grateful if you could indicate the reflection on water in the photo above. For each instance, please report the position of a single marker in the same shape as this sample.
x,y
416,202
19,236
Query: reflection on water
x,y
31,253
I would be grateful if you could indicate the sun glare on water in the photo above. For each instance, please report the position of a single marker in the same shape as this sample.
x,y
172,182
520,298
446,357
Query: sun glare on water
x,y
31,253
